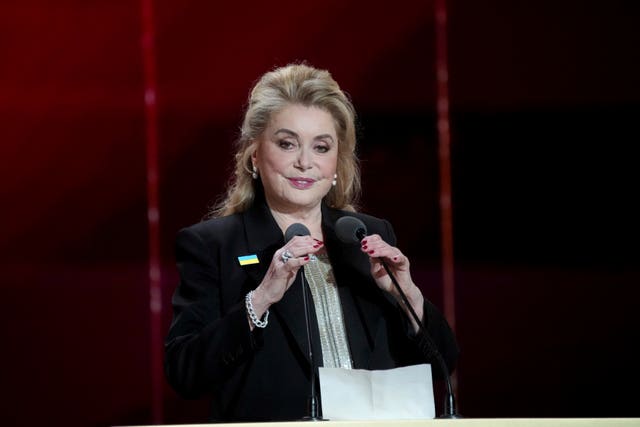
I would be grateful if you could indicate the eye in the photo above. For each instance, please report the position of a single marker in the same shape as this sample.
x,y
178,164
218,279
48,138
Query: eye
x,y
286,144
322,148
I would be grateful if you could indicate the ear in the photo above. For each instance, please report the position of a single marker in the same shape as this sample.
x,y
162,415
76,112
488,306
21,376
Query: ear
x,y
254,152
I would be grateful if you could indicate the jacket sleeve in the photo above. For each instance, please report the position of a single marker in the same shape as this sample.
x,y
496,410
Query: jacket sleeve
x,y
204,346
436,342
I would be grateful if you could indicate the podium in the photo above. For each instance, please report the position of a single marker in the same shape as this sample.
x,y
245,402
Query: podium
x,y
462,422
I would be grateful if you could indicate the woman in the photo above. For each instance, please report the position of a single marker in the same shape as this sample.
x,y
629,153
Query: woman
x,y
238,331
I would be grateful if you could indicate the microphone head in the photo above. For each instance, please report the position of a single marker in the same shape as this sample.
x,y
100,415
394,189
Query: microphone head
x,y
350,229
296,229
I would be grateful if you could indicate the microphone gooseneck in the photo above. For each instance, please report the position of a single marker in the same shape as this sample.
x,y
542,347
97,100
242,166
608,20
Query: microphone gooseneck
x,y
293,230
351,230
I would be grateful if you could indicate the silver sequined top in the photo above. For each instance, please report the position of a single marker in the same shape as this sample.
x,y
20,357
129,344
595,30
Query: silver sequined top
x,y
326,300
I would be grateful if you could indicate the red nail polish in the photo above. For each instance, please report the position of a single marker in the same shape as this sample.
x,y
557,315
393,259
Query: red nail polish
x,y
395,258
316,246
371,251
364,247
306,258
364,242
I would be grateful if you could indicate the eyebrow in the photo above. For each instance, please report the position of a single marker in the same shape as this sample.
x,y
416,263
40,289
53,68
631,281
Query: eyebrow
x,y
292,133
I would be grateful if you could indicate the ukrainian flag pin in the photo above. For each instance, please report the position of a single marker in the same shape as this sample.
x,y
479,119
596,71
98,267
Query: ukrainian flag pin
x,y
248,259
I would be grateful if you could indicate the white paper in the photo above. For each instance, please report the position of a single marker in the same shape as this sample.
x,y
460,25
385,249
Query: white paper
x,y
356,394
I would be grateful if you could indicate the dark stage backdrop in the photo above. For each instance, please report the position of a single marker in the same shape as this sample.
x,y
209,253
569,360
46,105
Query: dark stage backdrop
x,y
545,103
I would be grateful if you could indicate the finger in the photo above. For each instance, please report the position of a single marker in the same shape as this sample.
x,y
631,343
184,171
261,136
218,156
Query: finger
x,y
303,251
282,256
379,248
399,259
300,246
370,240
370,243
289,264
377,269
295,263
305,239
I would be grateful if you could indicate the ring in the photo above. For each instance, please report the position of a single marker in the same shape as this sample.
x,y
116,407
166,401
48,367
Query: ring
x,y
286,256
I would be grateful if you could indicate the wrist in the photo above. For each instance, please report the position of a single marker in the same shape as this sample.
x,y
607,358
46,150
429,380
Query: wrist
x,y
413,294
416,300
258,319
261,302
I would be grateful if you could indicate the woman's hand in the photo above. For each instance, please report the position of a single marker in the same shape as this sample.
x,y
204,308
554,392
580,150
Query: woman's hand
x,y
282,271
398,264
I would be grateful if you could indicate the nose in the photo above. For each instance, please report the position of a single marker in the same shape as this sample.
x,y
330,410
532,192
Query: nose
x,y
303,162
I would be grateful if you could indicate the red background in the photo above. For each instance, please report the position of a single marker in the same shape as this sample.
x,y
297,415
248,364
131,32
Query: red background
x,y
545,103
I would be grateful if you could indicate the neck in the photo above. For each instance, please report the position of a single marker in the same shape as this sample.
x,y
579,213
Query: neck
x,y
312,219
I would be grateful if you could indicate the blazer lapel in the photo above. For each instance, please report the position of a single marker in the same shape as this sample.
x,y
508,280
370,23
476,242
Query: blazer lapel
x,y
356,288
290,310
264,238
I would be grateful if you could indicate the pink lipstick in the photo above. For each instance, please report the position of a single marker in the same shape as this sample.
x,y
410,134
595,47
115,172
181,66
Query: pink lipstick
x,y
301,183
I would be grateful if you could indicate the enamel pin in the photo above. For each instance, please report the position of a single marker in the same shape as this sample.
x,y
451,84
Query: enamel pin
x,y
248,259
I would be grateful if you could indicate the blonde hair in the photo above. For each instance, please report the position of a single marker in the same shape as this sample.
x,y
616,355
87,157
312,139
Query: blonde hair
x,y
294,84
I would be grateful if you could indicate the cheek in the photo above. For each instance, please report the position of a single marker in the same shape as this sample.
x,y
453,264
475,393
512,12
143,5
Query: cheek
x,y
273,164
330,167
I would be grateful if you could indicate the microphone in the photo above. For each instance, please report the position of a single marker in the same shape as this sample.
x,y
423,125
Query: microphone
x,y
351,230
296,229
293,230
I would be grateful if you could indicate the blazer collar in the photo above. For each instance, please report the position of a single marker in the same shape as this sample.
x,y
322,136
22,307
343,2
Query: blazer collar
x,y
262,231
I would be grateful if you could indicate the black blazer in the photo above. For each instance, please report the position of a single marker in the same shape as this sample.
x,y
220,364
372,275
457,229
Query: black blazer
x,y
264,374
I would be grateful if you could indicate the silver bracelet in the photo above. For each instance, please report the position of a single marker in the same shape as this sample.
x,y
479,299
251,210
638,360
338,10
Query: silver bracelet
x,y
252,314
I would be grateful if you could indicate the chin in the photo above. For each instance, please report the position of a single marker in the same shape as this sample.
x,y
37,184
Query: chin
x,y
304,201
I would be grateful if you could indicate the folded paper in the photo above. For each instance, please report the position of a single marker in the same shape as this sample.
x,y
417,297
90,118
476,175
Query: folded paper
x,y
356,394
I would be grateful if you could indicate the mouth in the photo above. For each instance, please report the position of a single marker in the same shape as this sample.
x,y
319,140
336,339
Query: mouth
x,y
302,183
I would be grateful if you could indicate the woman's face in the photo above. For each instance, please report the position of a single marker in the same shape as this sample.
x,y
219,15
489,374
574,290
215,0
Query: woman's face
x,y
296,157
